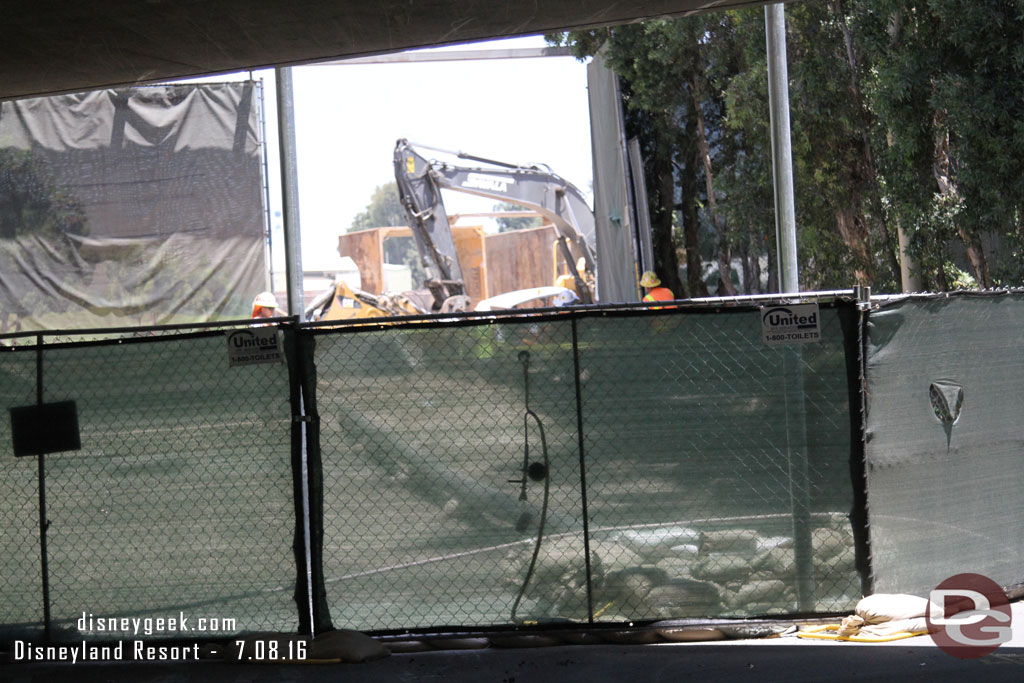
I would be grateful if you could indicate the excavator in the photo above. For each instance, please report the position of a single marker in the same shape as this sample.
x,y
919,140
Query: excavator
x,y
420,181
538,189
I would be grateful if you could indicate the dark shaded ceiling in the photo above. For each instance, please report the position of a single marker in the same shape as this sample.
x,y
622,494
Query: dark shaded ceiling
x,y
51,46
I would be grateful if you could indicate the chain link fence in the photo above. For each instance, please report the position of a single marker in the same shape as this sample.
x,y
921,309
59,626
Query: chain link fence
x,y
21,606
180,501
591,466
711,457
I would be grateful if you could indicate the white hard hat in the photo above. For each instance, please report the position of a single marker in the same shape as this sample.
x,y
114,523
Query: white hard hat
x,y
564,298
266,300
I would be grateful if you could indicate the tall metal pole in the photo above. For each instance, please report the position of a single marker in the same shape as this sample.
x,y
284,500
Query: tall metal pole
x,y
289,189
782,149
792,358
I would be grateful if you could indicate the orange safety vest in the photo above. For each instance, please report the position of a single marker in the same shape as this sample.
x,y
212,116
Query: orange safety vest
x,y
659,294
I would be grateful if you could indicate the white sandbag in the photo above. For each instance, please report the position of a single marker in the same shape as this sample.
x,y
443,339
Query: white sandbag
x,y
827,543
347,646
614,556
736,541
764,544
754,592
653,544
776,563
722,568
677,567
684,550
883,607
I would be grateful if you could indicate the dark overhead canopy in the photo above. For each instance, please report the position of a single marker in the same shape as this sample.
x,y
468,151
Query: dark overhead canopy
x,y
50,46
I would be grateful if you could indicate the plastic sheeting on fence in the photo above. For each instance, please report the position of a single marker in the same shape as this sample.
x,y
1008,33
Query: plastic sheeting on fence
x,y
132,206
707,473
179,502
590,466
944,440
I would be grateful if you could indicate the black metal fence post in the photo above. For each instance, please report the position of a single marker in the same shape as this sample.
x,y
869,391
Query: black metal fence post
x,y
583,471
300,545
310,591
44,525
855,322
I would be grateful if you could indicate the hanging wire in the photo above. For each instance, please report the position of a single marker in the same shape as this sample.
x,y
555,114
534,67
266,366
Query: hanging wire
x,y
530,472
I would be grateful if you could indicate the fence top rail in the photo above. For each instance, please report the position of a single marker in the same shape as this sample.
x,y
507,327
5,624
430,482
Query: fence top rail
x,y
676,305
133,332
876,301
879,300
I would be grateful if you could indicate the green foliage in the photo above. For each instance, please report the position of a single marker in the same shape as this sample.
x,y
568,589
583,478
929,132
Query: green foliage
x,y
904,117
511,223
30,200
384,210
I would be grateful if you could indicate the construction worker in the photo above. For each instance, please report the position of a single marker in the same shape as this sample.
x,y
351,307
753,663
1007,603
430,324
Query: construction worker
x,y
655,292
264,305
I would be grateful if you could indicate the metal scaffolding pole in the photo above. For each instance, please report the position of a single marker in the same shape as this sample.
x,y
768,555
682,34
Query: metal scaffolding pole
x,y
782,150
289,189
793,362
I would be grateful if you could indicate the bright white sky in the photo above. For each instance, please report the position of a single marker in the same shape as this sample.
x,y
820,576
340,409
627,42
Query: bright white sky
x,y
348,118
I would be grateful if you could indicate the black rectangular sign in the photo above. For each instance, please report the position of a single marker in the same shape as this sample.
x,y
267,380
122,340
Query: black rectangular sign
x,y
45,428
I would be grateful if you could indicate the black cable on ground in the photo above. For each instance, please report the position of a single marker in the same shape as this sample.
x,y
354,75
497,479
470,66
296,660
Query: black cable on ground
x,y
529,472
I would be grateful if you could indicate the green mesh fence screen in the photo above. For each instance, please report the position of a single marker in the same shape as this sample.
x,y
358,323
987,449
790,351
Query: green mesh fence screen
x,y
707,473
704,445
180,502
21,601
945,441
590,466
422,432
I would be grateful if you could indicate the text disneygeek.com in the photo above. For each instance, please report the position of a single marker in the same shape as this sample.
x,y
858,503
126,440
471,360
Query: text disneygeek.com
x,y
178,624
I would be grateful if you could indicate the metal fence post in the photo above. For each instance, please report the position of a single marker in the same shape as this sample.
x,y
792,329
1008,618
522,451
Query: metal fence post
x,y
855,341
44,525
799,481
583,471
312,476
307,486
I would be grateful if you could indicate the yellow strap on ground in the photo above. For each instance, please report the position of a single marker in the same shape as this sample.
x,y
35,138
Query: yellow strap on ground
x,y
825,633
602,610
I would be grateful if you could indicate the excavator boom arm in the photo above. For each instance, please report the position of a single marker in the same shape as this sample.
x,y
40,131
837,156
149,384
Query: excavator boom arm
x,y
420,182
421,199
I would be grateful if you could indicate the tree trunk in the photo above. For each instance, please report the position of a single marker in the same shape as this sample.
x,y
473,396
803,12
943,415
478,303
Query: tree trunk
x,y
773,267
854,232
723,250
666,262
691,221
948,188
746,282
867,153
911,279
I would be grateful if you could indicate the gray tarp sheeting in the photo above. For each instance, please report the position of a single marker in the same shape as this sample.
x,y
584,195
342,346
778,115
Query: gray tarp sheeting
x,y
132,206
945,441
